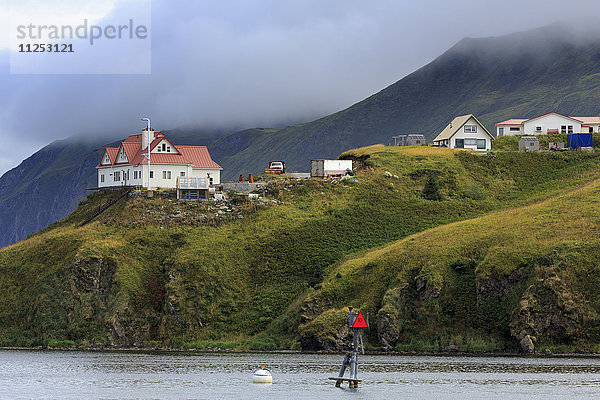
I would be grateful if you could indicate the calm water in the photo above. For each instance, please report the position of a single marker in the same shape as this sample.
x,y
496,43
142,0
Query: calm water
x,y
101,375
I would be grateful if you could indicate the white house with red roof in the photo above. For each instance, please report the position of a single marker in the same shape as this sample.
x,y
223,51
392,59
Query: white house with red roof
x,y
547,124
127,164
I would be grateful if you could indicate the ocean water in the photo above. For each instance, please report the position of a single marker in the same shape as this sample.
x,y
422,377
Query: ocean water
x,y
171,375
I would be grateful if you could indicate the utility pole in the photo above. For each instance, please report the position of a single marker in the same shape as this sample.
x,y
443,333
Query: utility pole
x,y
147,155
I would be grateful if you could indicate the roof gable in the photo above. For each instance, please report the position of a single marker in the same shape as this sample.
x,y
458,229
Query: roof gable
x,y
457,123
163,145
121,155
554,113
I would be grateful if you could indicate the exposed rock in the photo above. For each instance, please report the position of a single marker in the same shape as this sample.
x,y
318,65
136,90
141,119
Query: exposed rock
x,y
387,328
526,344
426,290
495,286
548,310
452,348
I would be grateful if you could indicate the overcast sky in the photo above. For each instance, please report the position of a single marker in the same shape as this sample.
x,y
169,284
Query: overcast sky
x,y
247,63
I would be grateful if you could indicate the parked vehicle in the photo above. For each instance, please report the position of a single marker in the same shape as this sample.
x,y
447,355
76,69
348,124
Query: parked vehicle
x,y
275,168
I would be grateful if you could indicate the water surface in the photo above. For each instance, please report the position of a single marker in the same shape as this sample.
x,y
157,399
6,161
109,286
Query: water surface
x,y
126,375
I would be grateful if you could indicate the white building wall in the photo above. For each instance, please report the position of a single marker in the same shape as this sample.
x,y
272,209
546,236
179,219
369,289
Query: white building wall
x,y
127,176
215,174
507,131
480,134
551,121
586,129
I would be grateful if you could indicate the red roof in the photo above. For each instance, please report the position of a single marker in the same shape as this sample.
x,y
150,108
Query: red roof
x,y
513,121
112,156
196,156
199,156
588,120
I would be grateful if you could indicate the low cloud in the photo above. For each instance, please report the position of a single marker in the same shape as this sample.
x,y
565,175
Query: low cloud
x,y
262,63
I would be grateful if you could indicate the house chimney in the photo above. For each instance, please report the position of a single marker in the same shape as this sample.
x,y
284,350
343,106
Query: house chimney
x,y
145,133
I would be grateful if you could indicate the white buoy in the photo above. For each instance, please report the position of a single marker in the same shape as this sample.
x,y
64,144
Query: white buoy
x,y
262,376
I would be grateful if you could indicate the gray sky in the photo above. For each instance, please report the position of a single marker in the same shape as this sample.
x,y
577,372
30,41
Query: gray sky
x,y
247,63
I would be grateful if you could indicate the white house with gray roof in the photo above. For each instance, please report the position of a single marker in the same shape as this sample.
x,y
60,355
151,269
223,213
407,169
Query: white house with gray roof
x,y
465,132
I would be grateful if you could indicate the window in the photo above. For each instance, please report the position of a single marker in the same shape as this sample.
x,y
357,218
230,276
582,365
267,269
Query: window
x,y
563,129
570,128
163,146
102,178
459,143
538,128
166,174
470,142
500,131
515,129
481,144
210,181
182,173
117,176
470,128
151,174
591,129
168,149
531,144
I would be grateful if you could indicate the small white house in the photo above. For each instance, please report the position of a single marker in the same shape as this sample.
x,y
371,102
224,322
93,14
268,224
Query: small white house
x,y
465,132
547,124
127,165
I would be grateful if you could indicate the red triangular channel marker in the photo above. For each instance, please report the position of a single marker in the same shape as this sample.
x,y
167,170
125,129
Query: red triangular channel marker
x,y
360,322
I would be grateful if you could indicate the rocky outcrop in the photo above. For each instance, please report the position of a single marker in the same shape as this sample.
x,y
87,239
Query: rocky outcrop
x,y
526,345
329,331
548,310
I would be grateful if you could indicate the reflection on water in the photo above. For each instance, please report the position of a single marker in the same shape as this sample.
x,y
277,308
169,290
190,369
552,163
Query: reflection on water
x,y
76,375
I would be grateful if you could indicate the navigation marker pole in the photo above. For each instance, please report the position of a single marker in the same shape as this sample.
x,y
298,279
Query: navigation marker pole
x,y
357,322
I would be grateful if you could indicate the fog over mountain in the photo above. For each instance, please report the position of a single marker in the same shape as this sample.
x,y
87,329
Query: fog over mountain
x,y
236,64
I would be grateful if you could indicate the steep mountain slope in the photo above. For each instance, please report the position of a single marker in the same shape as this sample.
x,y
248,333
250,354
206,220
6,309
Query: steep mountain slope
x,y
158,272
518,75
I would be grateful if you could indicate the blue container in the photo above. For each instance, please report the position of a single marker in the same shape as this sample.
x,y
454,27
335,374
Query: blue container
x,y
575,140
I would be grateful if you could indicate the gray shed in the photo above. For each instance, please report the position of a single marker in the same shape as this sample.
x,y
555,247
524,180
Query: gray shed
x,y
412,139
529,143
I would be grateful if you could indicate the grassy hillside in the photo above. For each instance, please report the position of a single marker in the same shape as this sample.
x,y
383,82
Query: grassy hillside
x,y
484,283
158,272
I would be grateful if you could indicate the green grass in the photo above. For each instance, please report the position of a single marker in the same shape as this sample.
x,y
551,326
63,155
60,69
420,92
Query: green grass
x,y
429,281
131,278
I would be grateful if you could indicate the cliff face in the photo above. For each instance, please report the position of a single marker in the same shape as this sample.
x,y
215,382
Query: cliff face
x,y
279,272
